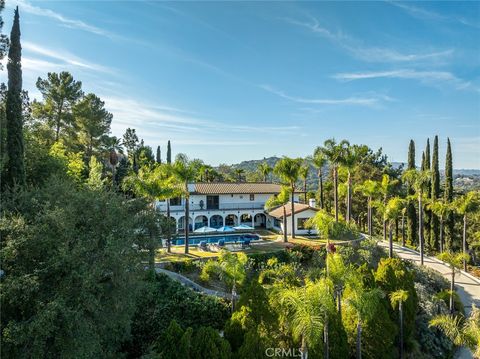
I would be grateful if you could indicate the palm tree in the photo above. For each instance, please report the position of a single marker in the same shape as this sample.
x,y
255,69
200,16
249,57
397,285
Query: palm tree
x,y
319,161
153,183
349,162
455,262
288,170
386,188
184,172
369,189
304,176
418,180
397,298
339,274
335,152
364,303
305,311
265,170
393,211
441,209
113,146
239,172
465,205
461,331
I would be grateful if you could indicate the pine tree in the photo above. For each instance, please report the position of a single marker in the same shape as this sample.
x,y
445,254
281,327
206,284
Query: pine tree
x,y
15,167
159,155
428,214
449,222
435,194
411,212
169,153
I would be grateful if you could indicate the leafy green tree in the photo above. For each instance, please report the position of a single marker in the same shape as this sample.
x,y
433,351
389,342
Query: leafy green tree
x,y
131,144
411,213
435,194
184,172
71,161
455,261
15,166
319,161
397,298
95,180
161,301
335,152
265,170
167,344
461,332
71,272
92,123
448,195
60,93
207,343
288,170
465,205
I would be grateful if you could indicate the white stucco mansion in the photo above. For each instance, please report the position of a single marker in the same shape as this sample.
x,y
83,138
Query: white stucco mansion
x,y
228,204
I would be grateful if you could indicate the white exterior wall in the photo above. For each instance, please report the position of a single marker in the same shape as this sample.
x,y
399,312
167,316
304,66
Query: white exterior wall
x,y
234,206
309,213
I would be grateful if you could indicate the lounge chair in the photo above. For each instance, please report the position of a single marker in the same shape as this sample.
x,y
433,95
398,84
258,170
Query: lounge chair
x,y
203,246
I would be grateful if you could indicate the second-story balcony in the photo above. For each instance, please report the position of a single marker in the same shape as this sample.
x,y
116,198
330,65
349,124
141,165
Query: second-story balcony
x,y
221,207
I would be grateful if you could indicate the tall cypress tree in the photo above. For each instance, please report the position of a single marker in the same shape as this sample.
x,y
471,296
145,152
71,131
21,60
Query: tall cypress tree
x,y
435,194
15,167
169,153
449,222
159,155
411,211
428,214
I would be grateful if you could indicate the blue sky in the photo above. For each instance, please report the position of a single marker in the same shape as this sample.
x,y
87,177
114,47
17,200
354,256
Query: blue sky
x,y
231,81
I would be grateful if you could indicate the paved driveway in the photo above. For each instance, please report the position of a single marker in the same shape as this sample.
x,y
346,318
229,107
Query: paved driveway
x,y
467,287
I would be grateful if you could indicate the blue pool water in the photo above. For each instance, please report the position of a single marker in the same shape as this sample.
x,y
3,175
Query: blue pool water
x,y
228,238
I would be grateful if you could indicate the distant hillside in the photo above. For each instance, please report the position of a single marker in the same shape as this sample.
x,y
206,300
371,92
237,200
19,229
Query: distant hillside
x,y
465,179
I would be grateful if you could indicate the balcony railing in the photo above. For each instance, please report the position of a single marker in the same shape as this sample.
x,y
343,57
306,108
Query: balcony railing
x,y
221,207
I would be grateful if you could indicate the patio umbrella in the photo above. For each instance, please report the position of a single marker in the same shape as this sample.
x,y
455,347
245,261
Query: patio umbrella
x,y
226,229
205,229
243,227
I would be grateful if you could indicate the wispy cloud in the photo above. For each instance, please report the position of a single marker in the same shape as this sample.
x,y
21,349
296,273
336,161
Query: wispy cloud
x,y
425,14
128,112
359,101
428,77
368,53
28,7
64,57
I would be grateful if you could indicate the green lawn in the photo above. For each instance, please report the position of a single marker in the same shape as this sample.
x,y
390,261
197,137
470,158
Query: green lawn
x,y
270,243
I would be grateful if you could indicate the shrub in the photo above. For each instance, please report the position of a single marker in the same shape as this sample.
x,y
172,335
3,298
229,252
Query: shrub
x,y
207,343
327,227
164,300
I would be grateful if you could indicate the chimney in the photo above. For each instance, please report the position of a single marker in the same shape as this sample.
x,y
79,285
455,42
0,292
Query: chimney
x,y
312,202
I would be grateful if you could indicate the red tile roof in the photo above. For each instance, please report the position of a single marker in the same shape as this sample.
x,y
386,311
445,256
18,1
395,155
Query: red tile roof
x,y
236,188
298,207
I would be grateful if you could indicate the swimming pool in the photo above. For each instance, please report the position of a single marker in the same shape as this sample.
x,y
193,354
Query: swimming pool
x,y
228,238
